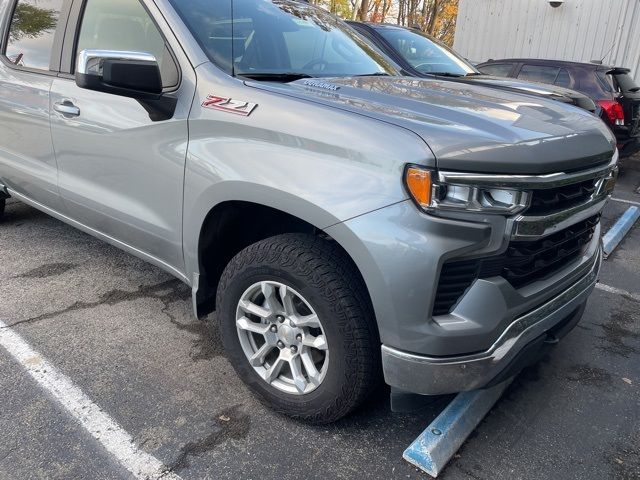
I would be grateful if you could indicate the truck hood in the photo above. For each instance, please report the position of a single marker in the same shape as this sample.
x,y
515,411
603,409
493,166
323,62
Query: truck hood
x,y
552,92
468,127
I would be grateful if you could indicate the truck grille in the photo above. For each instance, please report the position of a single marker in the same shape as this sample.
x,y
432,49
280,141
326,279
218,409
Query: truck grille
x,y
521,264
551,200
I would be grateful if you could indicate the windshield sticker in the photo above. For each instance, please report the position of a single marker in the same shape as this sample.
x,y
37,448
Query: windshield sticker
x,y
317,84
229,105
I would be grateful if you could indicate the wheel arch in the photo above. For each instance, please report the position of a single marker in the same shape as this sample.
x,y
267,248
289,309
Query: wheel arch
x,y
232,225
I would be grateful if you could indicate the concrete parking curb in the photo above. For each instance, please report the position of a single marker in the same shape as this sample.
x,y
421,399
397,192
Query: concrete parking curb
x,y
435,446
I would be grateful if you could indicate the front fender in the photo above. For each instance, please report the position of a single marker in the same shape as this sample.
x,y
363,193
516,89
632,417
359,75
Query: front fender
x,y
318,163
245,191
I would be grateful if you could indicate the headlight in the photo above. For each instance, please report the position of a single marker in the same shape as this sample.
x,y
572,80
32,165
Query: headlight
x,y
432,195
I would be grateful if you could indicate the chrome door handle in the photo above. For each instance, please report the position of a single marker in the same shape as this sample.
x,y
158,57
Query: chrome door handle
x,y
67,109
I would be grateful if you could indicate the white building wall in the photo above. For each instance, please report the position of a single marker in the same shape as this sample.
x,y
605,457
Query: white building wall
x,y
579,30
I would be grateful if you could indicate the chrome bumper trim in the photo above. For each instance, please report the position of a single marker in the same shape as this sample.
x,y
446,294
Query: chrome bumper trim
x,y
443,375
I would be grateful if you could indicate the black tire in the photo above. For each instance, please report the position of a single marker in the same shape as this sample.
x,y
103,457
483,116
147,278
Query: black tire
x,y
2,205
324,275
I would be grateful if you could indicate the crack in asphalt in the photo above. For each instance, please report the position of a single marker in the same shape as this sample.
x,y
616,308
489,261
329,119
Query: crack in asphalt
x,y
230,424
167,292
208,345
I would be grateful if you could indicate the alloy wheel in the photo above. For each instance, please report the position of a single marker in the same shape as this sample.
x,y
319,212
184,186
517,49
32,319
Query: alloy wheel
x,y
282,337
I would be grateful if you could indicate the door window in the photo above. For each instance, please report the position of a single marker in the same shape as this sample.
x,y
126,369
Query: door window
x,y
497,69
31,33
124,25
539,73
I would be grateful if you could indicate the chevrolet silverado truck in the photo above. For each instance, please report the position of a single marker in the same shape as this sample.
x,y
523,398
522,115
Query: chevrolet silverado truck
x,y
345,224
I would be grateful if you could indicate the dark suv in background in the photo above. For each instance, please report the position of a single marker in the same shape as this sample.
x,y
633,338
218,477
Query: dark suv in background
x,y
419,55
612,88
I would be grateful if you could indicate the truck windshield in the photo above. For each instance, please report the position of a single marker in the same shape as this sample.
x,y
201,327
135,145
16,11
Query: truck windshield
x,y
425,54
278,40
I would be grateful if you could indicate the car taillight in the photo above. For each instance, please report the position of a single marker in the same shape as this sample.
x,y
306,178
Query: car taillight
x,y
614,111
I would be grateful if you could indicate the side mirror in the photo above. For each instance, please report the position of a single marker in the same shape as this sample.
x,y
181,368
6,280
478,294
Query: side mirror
x,y
128,74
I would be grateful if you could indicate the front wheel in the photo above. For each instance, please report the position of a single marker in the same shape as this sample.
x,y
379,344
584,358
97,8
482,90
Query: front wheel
x,y
3,202
298,327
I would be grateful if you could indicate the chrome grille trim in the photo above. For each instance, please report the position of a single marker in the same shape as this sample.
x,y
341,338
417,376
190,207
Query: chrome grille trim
x,y
528,182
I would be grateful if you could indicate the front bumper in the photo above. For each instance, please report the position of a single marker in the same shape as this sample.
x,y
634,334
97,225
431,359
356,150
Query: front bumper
x,y
442,375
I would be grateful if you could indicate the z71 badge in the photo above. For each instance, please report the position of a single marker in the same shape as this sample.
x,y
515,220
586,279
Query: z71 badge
x,y
229,105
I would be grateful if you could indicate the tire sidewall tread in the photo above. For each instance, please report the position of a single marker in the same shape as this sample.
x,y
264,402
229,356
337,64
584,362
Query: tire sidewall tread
x,y
325,276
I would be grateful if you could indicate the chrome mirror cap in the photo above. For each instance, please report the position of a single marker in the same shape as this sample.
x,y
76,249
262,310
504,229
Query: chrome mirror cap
x,y
90,61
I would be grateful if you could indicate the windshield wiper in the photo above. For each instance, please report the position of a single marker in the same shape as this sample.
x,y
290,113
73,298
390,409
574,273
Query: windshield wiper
x,y
375,74
444,74
275,76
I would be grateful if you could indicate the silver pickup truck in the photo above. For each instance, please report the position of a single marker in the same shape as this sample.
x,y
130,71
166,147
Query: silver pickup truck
x,y
345,223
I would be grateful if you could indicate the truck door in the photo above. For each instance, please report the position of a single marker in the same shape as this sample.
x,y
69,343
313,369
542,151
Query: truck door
x,y
121,168
31,35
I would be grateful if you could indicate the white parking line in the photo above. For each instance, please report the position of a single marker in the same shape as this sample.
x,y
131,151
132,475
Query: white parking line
x,y
100,425
617,291
628,202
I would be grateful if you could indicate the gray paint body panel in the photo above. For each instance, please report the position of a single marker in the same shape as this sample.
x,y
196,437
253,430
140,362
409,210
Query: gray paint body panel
x,y
120,172
26,151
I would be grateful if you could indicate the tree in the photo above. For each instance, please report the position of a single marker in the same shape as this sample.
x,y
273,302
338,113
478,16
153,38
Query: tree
x,y
30,21
445,24
342,8
381,9
435,17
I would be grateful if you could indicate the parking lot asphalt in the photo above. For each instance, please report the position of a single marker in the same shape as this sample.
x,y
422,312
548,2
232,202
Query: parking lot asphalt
x,y
123,332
